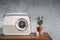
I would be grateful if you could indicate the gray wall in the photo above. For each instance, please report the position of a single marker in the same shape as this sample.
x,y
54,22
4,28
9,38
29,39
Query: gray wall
x,y
50,9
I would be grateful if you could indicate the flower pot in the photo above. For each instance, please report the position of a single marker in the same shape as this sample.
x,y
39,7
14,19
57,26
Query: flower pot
x,y
40,30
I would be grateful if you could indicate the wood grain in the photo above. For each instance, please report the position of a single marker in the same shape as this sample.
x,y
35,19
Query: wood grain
x,y
25,37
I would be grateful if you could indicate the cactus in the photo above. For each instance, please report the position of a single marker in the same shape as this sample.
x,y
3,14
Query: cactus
x,y
40,20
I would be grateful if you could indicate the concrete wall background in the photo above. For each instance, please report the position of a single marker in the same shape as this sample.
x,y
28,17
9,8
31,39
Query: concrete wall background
x,y
50,9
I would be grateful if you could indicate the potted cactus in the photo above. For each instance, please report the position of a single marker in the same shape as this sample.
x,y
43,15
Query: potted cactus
x,y
40,22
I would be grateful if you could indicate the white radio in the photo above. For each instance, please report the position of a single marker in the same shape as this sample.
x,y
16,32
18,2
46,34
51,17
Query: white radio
x,y
16,24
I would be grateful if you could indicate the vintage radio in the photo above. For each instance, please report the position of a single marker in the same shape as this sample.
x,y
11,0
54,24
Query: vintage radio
x,y
16,24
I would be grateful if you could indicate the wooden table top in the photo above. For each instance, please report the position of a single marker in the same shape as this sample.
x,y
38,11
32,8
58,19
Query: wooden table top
x,y
26,37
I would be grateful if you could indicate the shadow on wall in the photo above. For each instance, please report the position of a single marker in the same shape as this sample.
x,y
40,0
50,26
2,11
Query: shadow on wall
x,y
1,31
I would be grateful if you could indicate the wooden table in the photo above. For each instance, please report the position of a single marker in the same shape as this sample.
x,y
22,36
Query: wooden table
x,y
29,37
